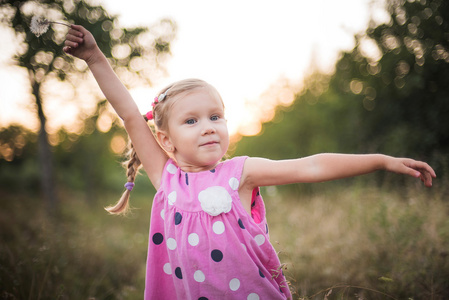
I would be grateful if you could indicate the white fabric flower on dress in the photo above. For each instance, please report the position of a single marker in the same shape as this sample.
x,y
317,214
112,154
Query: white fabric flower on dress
x,y
215,200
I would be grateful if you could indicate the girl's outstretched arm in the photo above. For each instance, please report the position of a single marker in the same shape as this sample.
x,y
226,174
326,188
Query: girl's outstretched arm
x,y
80,43
325,167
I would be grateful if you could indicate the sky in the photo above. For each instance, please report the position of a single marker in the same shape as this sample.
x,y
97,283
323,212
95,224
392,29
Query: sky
x,y
240,47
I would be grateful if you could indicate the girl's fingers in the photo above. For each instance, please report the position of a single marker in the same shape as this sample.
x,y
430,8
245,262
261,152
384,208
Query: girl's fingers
x,y
422,167
420,170
75,33
76,27
429,169
74,38
70,44
426,177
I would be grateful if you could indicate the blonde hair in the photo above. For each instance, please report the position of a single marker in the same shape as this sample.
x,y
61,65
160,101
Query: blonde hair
x,y
160,116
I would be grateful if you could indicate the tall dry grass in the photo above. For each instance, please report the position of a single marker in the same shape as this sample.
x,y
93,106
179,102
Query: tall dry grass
x,y
348,242
363,243
79,253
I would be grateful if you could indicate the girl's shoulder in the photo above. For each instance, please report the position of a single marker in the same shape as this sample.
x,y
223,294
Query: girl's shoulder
x,y
232,166
234,161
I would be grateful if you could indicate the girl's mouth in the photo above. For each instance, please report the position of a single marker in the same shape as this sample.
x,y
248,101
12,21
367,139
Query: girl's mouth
x,y
209,143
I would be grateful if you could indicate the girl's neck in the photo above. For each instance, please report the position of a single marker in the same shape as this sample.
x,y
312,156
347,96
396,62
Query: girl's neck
x,y
188,168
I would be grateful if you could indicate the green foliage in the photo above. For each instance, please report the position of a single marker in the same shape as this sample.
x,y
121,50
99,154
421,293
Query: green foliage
x,y
19,169
132,52
409,92
396,103
43,55
83,163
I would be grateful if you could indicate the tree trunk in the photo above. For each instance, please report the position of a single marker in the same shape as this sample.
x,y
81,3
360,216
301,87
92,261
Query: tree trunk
x,y
45,154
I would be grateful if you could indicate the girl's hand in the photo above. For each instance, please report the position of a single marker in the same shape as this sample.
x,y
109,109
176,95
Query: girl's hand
x,y
81,43
411,167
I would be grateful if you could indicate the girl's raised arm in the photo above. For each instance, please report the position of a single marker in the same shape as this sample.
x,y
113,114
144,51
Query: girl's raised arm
x,y
80,43
328,166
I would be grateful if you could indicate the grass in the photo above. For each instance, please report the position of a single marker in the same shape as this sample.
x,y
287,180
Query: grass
x,y
364,243
81,253
339,243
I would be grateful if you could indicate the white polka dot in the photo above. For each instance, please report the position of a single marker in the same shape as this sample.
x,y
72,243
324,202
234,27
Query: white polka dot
x,y
163,214
194,239
199,276
244,247
171,244
172,198
234,284
260,239
234,183
167,269
253,296
171,168
218,227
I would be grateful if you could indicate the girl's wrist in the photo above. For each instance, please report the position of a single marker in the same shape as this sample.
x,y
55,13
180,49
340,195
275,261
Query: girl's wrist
x,y
385,161
96,56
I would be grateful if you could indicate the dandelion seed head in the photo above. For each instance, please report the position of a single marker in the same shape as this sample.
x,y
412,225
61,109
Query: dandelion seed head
x,y
39,25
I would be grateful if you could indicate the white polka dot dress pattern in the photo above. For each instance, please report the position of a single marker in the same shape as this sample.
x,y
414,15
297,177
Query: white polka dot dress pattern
x,y
204,245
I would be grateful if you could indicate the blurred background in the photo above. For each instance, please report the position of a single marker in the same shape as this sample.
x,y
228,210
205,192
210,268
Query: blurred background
x,y
297,79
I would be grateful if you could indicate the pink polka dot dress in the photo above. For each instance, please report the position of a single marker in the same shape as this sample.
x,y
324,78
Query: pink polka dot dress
x,y
204,245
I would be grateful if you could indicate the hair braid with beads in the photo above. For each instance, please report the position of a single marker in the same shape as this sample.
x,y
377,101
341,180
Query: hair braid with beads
x,y
133,165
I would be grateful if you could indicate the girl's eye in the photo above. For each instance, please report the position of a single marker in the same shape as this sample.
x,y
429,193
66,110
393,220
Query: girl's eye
x,y
190,121
214,118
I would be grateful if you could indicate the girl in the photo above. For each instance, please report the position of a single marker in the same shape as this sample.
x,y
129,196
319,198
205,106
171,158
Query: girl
x,y
208,232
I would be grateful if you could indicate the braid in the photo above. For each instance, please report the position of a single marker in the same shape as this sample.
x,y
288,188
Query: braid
x,y
132,167
133,164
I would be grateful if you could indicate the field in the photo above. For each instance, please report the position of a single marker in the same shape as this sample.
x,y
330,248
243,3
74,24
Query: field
x,y
361,243
344,242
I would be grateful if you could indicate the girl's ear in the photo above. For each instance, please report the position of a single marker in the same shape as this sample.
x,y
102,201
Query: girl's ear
x,y
165,142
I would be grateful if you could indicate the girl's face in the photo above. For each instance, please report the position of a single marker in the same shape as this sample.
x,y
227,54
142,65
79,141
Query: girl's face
x,y
197,130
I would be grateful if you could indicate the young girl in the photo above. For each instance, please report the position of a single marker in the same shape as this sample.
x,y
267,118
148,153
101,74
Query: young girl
x,y
208,232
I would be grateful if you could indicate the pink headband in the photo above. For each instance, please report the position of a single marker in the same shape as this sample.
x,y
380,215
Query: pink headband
x,y
157,99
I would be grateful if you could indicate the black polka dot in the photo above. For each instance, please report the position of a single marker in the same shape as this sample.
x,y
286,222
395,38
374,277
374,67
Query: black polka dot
x,y
216,255
241,224
212,171
178,272
261,274
158,238
203,298
187,179
178,218
266,228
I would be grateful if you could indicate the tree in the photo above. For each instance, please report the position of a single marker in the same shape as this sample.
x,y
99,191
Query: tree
x,y
132,51
402,95
392,100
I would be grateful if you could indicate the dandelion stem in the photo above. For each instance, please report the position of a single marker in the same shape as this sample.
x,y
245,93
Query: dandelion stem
x,y
54,22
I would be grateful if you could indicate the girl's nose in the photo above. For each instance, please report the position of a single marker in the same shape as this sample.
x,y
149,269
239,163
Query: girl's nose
x,y
208,129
